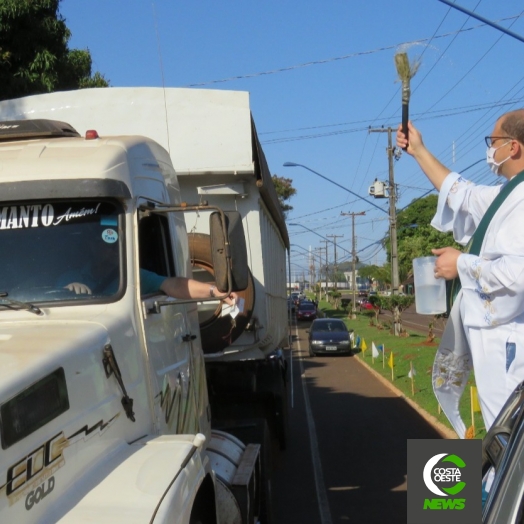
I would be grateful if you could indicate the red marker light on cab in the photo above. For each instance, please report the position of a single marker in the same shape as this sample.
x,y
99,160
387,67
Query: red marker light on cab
x,y
91,134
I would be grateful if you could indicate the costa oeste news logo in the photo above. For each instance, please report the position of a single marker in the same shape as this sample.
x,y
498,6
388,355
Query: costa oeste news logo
x,y
438,480
444,481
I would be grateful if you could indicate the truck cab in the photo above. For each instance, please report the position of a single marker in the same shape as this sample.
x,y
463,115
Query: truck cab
x,y
103,399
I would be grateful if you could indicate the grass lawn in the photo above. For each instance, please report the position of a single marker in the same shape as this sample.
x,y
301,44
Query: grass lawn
x,y
406,350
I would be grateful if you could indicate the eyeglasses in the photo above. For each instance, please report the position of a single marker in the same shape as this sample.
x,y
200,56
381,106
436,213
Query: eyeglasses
x,y
491,139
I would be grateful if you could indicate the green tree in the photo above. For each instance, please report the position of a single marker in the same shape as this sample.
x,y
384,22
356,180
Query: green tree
x,y
335,296
285,191
378,273
415,235
34,55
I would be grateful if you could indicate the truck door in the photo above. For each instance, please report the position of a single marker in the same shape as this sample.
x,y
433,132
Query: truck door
x,y
167,334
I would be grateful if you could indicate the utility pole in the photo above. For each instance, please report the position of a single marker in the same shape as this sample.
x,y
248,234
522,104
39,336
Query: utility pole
x,y
326,274
318,252
392,212
311,269
354,261
335,266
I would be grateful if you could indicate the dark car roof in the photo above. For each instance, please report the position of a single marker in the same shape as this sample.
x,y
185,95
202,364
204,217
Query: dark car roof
x,y
328,324
306,305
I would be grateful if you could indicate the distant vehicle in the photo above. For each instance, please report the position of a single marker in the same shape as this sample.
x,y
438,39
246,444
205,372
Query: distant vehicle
x,y
306,311
359,300
362,293
329,335
367,305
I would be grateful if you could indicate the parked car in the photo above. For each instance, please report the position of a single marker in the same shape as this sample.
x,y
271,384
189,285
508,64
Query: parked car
x,y
306,311
329,335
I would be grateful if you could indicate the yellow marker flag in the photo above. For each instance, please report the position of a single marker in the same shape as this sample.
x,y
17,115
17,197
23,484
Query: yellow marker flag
x,y
364,345
390,360
475,405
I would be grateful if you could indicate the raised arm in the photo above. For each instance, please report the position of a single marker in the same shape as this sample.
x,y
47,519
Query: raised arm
x,y
187,288
433,168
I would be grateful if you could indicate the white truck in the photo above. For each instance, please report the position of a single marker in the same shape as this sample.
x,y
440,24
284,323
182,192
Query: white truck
x,y
123,405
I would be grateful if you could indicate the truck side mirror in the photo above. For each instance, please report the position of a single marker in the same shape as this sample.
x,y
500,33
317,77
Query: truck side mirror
x,y
228,250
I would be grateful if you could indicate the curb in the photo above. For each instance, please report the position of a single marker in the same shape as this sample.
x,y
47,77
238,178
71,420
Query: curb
x,y
446,432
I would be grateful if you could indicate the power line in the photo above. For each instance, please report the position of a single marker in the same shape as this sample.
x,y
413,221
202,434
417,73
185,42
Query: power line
x,y
338,58
418,116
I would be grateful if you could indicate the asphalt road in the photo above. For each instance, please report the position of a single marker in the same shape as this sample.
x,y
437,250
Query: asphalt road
x,y
346,460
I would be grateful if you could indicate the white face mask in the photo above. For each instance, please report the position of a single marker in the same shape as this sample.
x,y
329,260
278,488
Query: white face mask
x,y
490,154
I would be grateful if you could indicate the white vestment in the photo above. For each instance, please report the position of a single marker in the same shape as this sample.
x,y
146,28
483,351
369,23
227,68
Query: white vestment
x,y
490,306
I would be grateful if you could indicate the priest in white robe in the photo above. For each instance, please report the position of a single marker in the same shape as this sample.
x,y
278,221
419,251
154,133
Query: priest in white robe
x,y
486,325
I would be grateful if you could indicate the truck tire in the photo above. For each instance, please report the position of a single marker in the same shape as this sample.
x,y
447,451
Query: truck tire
x,y
218,332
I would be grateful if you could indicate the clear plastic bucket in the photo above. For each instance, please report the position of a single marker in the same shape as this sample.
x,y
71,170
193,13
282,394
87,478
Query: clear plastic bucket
x,y
430,292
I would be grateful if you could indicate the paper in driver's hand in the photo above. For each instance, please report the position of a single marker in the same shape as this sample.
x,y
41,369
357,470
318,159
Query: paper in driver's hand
x,y
234,310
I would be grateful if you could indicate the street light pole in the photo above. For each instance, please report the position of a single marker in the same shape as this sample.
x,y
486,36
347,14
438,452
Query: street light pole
x,y
482,19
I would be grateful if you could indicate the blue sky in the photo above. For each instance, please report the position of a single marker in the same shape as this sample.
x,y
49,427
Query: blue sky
x,y
319,75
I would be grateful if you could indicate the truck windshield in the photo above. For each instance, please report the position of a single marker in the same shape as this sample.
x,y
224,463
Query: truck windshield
x,y
60,250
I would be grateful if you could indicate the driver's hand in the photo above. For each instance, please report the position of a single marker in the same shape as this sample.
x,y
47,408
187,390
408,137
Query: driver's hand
x,y
78,288
232,299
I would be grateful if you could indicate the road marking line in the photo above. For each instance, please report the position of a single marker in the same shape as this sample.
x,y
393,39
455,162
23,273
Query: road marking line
x,y
323,504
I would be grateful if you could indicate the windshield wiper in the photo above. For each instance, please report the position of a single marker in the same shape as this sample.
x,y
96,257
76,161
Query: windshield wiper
x,y
17,306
